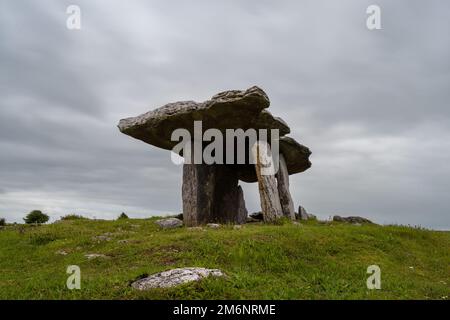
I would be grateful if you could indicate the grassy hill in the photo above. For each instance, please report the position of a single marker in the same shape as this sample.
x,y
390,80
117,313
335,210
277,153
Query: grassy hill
x,y
311,261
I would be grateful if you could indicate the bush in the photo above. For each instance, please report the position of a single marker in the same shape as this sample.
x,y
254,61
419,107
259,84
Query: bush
x,y
40,239
122,216
36,216
2,222
72,216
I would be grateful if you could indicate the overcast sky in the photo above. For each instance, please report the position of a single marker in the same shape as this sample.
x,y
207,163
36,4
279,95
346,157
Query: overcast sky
x,y
373,106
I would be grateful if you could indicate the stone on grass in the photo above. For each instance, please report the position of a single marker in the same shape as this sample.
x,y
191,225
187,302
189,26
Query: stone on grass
x,y
257,216
351,219
195,229
302,214
175,277
213,225
311,216
91,256
103,237
169,223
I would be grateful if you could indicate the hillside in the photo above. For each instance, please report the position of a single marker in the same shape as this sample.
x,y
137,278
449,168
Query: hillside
x,y
312,261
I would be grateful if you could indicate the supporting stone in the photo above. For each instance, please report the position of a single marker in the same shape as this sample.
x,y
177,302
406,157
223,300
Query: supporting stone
x,y
267,184
287,205
302,214
242,212
197,193
211,194
229,205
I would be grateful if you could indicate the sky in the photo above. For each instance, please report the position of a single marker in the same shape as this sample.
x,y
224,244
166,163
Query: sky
x,y
372,105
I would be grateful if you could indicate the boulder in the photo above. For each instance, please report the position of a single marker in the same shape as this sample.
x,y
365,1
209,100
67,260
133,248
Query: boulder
x,y
258,216
252,220
175,277
91,256
195,229
169,223
103,237
179,216
311,216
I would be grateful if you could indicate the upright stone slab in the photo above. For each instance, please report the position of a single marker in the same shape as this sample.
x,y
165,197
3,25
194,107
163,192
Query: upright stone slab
x,y
198,193
229,204
211,194
287,205
267,184
241,209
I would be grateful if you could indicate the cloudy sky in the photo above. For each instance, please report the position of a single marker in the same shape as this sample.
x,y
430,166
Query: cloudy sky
x,y
373,106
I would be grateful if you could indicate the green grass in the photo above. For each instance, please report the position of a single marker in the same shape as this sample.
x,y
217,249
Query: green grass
x,y
312,261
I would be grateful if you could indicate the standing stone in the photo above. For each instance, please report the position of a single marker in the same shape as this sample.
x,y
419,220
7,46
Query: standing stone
x,y
211,194
302,214
198,194
241,209
287,205
267,184
225,194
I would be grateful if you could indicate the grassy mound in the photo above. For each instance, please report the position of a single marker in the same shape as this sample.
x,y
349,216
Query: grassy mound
x,y
312,261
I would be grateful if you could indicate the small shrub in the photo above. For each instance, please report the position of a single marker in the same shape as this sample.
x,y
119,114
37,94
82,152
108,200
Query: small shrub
x,y
73,216
36,216
2,222
122,216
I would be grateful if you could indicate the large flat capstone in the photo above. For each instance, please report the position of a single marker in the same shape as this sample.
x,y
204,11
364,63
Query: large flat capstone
x,y
226,110
233,109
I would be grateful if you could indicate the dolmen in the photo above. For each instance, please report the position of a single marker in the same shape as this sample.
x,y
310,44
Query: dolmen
x,y
230,138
